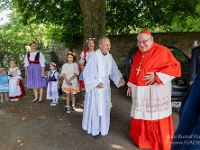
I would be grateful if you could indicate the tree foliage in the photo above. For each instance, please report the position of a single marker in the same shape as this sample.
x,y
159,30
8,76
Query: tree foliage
x,y
63,14
63,20
15,38
5,5
122,16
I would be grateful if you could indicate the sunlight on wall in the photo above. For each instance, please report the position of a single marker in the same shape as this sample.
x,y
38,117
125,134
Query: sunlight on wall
x,y
116,146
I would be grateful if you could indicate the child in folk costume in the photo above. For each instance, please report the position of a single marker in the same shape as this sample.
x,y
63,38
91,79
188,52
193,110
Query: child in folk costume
x,y
70,83
4,84
16,87
53,84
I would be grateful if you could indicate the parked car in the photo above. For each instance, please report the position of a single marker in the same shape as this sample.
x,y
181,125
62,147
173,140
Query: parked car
x,y
179,85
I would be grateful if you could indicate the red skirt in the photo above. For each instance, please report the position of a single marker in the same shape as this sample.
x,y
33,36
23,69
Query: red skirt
x,y
81,83
152,134
22,90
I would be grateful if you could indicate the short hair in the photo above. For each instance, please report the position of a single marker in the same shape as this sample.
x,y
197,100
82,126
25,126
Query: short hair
x,y
140,34
4,69
101,38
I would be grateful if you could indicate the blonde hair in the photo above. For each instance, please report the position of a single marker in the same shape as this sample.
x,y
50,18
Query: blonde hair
x,y
14,62
4,69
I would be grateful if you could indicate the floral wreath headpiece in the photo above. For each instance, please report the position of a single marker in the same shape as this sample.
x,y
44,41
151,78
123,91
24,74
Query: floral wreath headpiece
x,y
93,39
70,53
53,64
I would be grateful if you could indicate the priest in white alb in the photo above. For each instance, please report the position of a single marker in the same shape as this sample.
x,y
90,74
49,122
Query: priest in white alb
x,y
100,68
153,68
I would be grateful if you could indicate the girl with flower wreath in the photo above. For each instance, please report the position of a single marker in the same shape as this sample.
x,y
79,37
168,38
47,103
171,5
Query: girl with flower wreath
x,y
70,83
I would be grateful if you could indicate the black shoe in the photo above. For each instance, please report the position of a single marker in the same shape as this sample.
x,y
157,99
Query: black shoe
x,y
68,110
35,100
97,136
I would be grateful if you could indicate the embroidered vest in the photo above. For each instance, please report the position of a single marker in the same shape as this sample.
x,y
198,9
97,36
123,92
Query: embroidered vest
x,y
52,78
37,58
69,71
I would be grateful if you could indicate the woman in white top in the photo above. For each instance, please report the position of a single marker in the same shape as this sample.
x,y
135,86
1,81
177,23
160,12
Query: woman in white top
x,y
34,64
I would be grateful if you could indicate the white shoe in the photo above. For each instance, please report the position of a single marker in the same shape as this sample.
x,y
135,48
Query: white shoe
x,y
73,108
53,104
12,100
16,99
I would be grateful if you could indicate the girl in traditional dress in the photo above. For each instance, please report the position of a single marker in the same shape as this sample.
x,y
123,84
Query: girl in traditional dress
x,y
16,87
34,64
53,84
4,84
70,83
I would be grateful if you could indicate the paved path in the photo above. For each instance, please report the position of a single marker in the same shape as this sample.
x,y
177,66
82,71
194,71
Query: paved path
x,y
25,125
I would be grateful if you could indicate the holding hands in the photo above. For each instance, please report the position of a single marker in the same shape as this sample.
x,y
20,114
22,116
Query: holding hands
x,y
68,82
100,85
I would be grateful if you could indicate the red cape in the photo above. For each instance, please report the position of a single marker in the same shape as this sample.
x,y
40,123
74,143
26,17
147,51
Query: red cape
x,y
157,59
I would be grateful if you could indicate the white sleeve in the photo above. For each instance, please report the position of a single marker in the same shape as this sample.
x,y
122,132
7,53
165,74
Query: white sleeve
x,y
164,77
63,70
26,63
9,74
19,75
82,61
115,74
42,60
76,68
57,75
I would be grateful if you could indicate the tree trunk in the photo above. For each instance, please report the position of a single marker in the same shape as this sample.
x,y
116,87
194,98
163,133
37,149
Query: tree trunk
x,y
94,18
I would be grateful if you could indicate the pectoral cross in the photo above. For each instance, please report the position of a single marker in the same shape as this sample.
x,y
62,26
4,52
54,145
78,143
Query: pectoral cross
x,y
138,70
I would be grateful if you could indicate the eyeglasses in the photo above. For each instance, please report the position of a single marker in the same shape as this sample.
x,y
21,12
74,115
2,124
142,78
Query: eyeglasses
x,y
144,41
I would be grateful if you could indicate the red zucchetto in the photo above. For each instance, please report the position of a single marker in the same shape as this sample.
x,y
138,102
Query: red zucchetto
x,y
145,32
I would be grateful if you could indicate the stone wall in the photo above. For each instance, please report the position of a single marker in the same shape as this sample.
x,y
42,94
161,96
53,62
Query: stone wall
x,y
121,45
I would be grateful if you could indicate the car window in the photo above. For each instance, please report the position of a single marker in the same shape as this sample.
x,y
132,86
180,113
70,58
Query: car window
x,y
179,55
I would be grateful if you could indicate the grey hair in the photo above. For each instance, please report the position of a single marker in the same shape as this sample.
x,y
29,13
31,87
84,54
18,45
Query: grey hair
x,y
101,38
140,34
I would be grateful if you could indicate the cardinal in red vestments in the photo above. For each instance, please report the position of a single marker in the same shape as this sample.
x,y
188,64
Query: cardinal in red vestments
x,y
149,85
